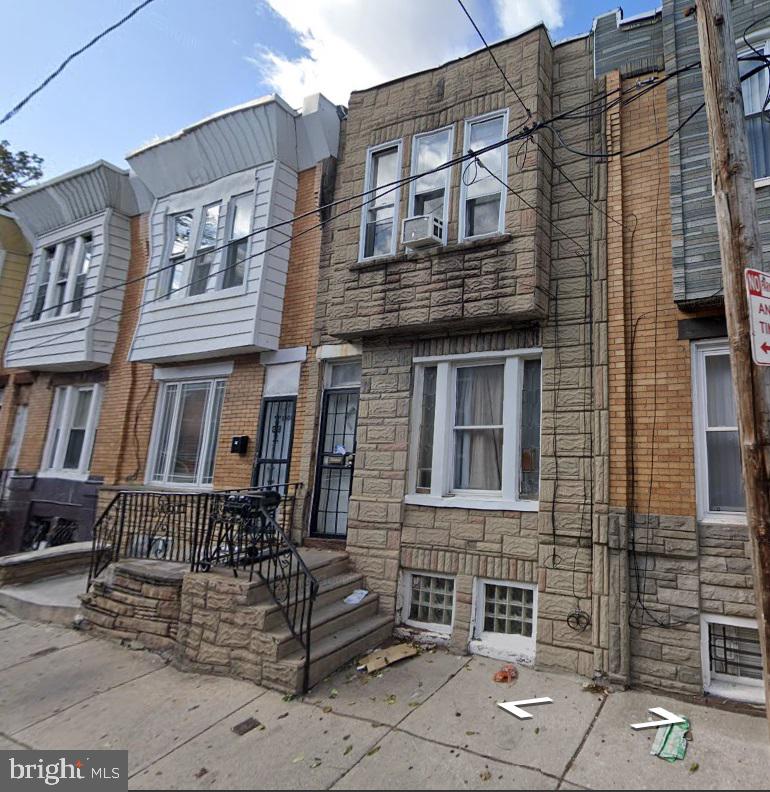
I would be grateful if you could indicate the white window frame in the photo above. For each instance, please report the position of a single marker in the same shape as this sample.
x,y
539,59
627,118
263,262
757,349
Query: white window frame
x,y
699,352
65,310
406,602
447,176
503,176
214,277
66,395
370,153
518,648
761,40
173,432
229,239
442,492
165,281
725,685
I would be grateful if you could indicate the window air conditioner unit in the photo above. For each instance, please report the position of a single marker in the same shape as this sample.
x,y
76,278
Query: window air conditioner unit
x,y
422,231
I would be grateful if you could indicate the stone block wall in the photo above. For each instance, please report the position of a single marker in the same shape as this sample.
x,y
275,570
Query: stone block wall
x,y
136,601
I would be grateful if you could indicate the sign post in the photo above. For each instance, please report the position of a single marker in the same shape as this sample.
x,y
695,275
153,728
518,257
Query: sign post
x,y
758,290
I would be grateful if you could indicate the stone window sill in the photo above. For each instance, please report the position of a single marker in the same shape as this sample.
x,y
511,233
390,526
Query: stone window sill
x,y
440,250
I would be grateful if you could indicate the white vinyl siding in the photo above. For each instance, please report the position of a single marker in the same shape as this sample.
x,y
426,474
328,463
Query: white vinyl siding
x,y
482,196
476,431
240,318
71,431
83,335
719,479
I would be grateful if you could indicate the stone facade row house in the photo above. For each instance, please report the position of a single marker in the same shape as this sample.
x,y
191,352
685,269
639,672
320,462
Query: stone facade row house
x,y
492,360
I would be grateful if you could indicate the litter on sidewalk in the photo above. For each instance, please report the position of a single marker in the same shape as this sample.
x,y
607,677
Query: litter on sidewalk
x,y
385,657
670,741
507,673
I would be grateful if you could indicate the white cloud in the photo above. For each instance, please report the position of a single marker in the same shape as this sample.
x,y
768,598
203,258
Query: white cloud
x,y
352,44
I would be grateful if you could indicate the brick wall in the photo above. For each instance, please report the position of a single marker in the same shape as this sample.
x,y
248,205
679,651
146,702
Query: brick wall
x,y
673,567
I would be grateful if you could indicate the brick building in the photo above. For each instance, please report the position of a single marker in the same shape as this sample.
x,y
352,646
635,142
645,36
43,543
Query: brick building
x,y
683,609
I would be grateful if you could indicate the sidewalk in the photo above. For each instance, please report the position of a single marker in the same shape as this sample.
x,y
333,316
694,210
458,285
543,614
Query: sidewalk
x,y
429,722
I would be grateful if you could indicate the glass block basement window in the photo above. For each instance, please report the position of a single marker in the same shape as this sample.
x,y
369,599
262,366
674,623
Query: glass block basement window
x,y
431,599
508,609
735,651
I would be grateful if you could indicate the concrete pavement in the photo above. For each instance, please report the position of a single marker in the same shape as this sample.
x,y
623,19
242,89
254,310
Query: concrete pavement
x,y
429,722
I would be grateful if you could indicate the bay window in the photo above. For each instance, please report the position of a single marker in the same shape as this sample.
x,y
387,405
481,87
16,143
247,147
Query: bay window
x,y
429,195
71,430
482,194
61,282
476,431
719,479
380,212
185,432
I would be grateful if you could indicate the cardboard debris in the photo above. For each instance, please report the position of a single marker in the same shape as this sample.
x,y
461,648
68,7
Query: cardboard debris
x,y
385,657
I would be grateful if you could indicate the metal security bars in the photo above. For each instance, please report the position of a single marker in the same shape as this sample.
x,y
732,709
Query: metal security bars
x,y
734,651
276,431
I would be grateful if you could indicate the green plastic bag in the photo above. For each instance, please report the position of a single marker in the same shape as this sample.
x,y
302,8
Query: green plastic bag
x,y
670,742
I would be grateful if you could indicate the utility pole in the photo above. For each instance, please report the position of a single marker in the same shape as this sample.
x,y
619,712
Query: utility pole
x,y
740,247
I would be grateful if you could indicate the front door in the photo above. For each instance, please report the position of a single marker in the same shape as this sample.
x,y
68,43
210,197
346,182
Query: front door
x,y
336,453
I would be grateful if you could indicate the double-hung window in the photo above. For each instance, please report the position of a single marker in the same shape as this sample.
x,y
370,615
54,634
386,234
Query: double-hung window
x,y
482,187
202,279
238,231
380,212
476,431
429,195
180,227
185,432
719,480
755,91
71,430
61,283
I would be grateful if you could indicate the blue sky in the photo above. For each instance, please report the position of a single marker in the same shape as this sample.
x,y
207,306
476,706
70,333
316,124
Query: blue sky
x,y
180,60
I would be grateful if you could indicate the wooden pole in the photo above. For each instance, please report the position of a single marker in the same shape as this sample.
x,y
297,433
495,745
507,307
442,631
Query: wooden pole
x,y
740,247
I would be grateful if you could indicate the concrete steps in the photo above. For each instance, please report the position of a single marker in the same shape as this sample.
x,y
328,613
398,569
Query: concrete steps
x,y
52,599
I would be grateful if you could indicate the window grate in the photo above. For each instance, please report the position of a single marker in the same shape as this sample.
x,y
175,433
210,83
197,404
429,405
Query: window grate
x,y
432,599
508,609
734,651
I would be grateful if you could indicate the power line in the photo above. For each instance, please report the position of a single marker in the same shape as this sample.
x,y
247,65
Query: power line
x,y
63,65
492,55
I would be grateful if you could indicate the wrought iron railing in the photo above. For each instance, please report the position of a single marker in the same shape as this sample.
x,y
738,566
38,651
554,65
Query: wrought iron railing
x,y
245,530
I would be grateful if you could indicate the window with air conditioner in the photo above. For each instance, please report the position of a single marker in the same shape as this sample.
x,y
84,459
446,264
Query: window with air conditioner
x,y
380,212
482,186
429,194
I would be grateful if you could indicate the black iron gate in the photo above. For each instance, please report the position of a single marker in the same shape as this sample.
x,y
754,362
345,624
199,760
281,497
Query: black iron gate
x,y
336,457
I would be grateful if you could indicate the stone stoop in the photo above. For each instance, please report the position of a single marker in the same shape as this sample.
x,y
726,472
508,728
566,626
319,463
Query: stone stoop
x,y
231,626
136,600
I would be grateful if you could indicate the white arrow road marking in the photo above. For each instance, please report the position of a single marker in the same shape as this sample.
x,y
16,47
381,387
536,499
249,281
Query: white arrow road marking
x,y
514,707
670,719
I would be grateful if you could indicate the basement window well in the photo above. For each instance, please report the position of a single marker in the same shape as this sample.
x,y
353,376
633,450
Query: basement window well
x,y
428,601
505,620
731,657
